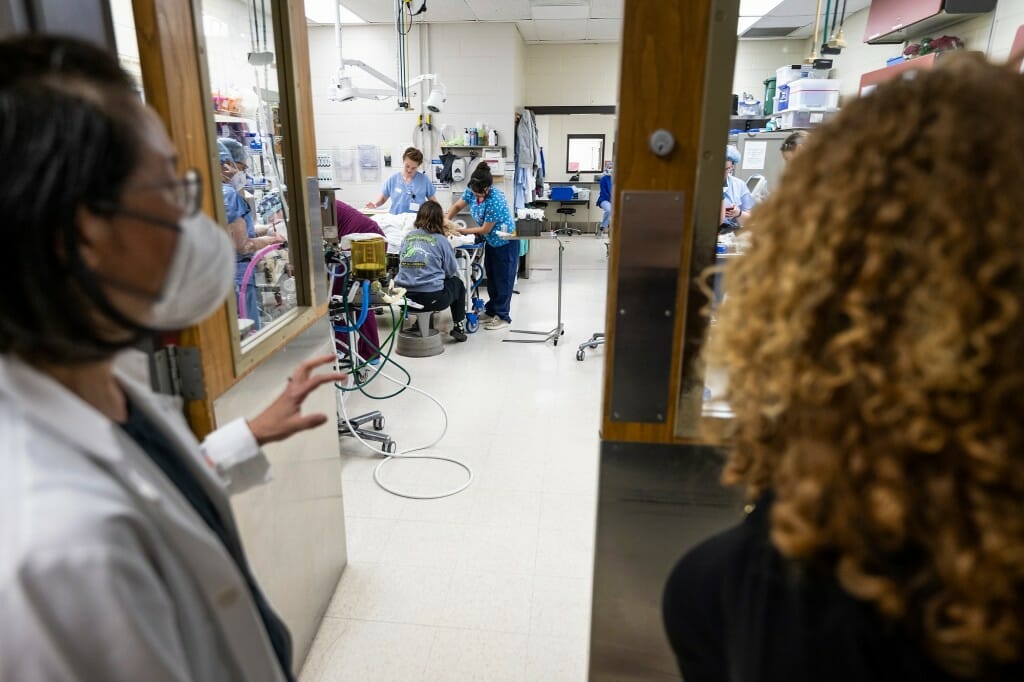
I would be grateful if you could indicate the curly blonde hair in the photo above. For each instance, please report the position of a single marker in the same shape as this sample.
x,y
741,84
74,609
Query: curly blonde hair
x,y
874,340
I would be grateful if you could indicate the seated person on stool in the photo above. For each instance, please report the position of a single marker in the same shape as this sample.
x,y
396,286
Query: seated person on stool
x,y
352,221
427,270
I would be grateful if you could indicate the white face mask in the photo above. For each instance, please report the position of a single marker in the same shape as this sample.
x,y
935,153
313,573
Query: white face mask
x,y
200,276
238,180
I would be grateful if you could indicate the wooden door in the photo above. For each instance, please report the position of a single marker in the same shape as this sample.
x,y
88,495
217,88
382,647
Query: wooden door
x,y
173,53
658,488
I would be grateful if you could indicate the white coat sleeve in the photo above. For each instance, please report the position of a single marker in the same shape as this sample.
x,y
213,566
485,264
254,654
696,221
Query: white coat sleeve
x,y
92,612
233,450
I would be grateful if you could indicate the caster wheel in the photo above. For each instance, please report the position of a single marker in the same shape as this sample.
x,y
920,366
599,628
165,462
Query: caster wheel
x,y
472,326
378,424
389,447
580,355
556,342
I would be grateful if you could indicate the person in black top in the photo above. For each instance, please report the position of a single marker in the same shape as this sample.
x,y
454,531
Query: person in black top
x,y
873,341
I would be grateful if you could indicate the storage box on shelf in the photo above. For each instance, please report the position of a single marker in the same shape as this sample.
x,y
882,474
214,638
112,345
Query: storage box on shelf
x,y
804,118
808,93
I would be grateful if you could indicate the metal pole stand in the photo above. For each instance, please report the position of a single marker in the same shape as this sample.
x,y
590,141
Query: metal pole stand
x,y
559,330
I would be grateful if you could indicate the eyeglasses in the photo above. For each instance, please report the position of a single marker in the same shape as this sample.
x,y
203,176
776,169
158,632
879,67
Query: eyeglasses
x,y
186,191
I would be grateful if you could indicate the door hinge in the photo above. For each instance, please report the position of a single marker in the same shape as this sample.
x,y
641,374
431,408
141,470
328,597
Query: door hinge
x,y
177,370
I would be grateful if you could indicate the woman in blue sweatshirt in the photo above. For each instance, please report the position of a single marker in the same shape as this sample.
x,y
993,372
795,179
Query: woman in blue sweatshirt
x,y
427,268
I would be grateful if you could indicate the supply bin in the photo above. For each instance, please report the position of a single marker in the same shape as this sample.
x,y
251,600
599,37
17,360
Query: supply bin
x,y
813,93
787,74
561,194
805,118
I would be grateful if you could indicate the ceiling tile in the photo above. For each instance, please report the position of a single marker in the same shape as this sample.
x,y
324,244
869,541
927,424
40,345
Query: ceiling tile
x,y
447,11
561,31
604,29
371,11
528,30
514,10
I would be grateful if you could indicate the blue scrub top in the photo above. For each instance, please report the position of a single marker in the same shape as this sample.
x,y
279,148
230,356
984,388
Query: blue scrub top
x,y
237,207
406,197
493,209
736,193
606,189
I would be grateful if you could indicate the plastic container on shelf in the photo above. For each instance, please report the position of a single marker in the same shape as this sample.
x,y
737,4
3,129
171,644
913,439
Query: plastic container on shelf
x,y
787,74
804,118
813,93
808,72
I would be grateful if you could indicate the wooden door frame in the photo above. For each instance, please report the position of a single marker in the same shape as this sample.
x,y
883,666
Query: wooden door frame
x,y
173,57
658,489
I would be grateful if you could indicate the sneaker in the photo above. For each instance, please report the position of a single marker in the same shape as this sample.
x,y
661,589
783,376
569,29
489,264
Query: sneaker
x,y
459,332
485,318
496,323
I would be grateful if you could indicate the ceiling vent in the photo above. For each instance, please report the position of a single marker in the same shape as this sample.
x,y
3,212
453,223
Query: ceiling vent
x,y
772,32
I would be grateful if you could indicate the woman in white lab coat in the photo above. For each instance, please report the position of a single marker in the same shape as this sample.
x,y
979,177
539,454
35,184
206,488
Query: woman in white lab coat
x,y
119,555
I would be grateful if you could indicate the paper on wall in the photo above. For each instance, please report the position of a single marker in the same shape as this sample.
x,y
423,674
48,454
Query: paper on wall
x,y
754,154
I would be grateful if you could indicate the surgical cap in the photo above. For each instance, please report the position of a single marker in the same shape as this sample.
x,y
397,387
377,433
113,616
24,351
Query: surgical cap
x,y
233,148
222,152
732,154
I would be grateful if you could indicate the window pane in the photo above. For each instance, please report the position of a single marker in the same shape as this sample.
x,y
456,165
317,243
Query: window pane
x,y
243,76
585,154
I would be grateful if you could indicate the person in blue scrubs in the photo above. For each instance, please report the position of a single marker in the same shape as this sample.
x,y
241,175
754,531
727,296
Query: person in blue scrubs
x,y
408,189
737,197
241,226
489,209
604,201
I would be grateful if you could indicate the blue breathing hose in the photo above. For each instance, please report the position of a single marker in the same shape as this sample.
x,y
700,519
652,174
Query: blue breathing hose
x,y
363,310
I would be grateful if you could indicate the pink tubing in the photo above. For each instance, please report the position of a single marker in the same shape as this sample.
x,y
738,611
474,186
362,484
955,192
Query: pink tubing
x,y
257,257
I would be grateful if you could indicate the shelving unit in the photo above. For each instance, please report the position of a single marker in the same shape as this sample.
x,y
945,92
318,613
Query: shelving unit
x,y
473,150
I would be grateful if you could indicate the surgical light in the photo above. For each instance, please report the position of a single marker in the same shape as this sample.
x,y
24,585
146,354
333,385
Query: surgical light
x,y
437,98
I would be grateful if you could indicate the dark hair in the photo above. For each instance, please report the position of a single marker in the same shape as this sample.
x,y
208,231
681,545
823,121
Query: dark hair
x,y
65,118
414,155
794,140
481,180
430,217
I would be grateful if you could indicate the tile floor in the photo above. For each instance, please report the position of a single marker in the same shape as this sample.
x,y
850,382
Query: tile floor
x,y
495,582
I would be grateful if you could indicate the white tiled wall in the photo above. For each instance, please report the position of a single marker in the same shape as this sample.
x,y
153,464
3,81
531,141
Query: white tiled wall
x,y
572,75
757,60
477,62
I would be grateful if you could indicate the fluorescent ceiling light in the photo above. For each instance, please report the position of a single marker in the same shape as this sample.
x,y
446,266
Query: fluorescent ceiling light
x,y
745,23
322,12
757,8
752,11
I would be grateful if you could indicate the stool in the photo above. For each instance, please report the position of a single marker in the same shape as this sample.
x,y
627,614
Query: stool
x,y
565,229
421,340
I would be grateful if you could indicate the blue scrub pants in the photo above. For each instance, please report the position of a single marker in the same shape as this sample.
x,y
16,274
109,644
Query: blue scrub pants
x,y
607,206
500,265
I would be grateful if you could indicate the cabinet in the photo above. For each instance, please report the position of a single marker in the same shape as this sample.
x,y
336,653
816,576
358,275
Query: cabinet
x,y
896,21
870,80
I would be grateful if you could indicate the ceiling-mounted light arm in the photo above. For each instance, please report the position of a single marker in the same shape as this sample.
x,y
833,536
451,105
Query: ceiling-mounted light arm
x,y
383,78
438,94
